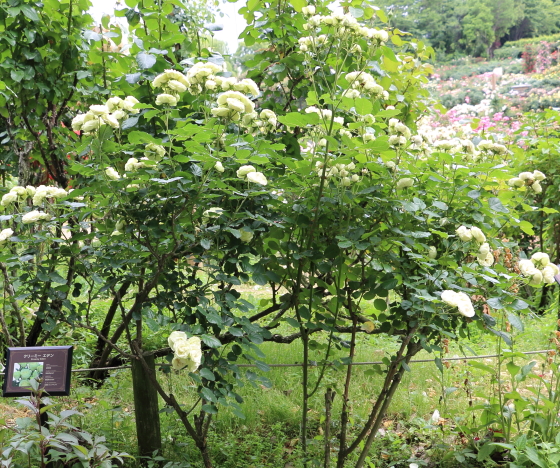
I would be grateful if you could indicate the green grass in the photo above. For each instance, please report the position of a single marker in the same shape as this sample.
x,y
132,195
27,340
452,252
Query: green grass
x,y
268,435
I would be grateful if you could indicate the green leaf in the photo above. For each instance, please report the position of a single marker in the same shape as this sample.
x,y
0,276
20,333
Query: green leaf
x,y
205,243
30,12
515,322
298,4
56,278
211,341
208,394
17,75
211,409
496,205
297,119
145,60
495,303
527,228
207,374
485,451
481,366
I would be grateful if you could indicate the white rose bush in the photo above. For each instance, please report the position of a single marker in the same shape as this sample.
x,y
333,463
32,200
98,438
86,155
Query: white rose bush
x,y
308,177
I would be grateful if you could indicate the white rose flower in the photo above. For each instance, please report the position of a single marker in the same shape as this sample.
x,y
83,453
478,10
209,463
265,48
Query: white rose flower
x,y
516,182
538,176
449,297
548,272
176,86
540,257
478,235
464,233
487,260
537,187
128,104
34,217
257,178
99,110
166,99
219,166
112,174
244,170
174,336
120,114
9,198
432,252
308,10
90,125
190,351
526,176
77,122
527,267
7,233
536,278
404,183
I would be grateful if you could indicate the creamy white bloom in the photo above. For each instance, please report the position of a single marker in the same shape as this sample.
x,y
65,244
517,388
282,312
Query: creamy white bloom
x,y
478,235
548,272
464,233
34,217
128,104
166,99
308,10
537,187
112,174
244,170
188,353
432,252
6,234
219,166
536,278
527,267
154,151
538,176
434,419
257,178
487,260
541,258
459,300
404,183
176,86
77,122
9,198
98,109
133,165
91,125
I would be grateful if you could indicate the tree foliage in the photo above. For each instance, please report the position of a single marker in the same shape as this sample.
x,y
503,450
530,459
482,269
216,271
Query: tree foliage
x,y
474,27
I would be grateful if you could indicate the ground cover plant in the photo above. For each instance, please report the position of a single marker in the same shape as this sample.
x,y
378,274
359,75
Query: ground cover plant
x,y
183,186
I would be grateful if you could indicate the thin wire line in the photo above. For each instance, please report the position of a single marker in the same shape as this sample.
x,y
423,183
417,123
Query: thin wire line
x,y
372,363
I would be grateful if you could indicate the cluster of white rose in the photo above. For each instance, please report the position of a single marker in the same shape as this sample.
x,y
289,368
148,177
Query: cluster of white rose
x,y
154,151
340,171
133,164
489,146
111,113
188,352
265,122
250,174
484,256
310,43
172,83
528,179
232,105
539,269
362,82
202,77
343,26
399,133
35,216
38,194
460,300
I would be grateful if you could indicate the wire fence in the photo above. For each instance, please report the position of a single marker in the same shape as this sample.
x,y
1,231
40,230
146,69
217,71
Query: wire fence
x,y
369,363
